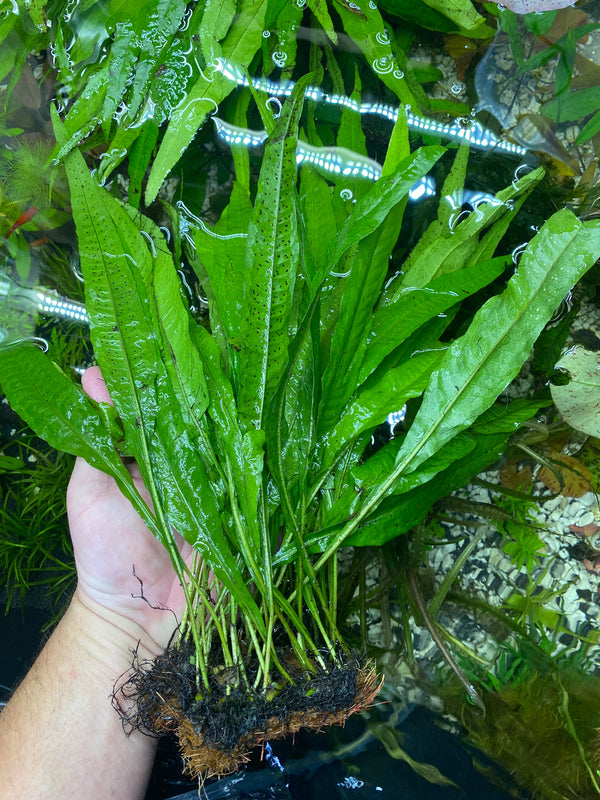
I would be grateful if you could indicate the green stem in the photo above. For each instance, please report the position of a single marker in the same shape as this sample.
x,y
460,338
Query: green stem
x,y
284,605
435,635
452,574
241,531
268,573
262,670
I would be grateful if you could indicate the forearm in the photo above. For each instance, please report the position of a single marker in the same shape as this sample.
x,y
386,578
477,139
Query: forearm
x,y
59,735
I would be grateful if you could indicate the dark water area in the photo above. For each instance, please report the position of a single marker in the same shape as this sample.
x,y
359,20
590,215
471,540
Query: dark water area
x,y
310,768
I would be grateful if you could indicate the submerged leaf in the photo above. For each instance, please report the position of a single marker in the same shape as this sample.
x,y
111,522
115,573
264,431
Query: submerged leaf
x,y
478,366
565,475
461,12
534,6
238,48
579,400
272,255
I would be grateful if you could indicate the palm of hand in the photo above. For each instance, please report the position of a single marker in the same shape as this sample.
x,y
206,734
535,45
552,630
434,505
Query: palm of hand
x,y
120,565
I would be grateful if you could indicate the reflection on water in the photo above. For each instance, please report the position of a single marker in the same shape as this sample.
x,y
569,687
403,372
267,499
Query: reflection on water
x,y
370,759
523,80
20,306
469,130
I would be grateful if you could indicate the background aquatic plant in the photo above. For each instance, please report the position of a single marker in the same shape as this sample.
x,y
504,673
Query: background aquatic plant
x,y
35,549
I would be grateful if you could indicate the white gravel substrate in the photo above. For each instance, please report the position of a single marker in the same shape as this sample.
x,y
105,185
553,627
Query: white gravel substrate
x,y
489,575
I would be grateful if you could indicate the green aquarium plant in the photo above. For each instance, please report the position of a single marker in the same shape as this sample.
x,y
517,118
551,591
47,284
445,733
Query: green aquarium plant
x,y
252,435
252,426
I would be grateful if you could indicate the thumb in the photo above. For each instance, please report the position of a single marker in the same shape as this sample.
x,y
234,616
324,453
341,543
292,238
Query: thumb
x,y
93,385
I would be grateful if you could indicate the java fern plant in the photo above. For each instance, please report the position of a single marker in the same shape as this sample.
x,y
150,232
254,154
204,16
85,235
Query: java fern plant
x,y
252,433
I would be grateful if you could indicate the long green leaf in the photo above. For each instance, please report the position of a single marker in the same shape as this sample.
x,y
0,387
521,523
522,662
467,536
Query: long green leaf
x,y
376,469
372,404
361,289
412,307
318,217
130,334
478,366
370,211
117,266
182,362
272,255
51,404
222,253
367,29
461,12
239,47
141,44
244,452
43,396
446,246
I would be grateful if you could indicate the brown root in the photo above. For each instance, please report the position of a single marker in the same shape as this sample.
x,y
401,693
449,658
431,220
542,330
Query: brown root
x,y
218,727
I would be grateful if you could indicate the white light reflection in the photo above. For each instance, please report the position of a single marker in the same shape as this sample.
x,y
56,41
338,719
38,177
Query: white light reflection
x,y
475,134
187,221
44,301
395,419
337,160
424,187
56,306
232,134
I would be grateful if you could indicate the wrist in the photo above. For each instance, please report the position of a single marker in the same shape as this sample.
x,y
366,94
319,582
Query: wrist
x,y
63,706
109,639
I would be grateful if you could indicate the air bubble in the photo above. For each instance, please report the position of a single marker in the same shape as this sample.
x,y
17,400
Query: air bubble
x,y
372,5
266,34
279,58
274,105
517,253
457,87
456,217
38,342
383,37
383,66
186,20
346,194
398,74
520,172
76,269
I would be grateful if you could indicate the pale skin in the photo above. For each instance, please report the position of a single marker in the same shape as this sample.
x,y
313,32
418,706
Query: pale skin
x,y
60,738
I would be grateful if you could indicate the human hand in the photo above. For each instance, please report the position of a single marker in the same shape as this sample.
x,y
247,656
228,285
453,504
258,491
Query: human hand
x,y
63,704
122,568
